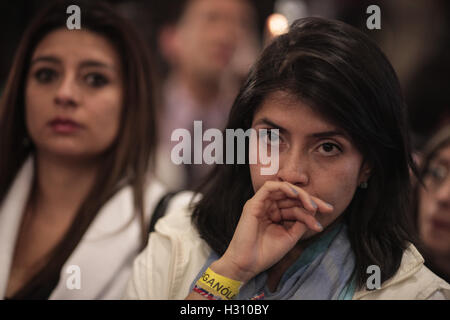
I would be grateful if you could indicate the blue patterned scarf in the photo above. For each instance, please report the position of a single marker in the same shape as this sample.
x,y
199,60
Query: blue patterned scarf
x,y
322,272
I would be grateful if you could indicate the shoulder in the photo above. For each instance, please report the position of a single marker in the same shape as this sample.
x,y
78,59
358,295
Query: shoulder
x,y
153,192
175,253
177,217
176,228
413,281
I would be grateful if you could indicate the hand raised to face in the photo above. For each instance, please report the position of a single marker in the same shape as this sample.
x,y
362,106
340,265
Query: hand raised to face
x,y
272,222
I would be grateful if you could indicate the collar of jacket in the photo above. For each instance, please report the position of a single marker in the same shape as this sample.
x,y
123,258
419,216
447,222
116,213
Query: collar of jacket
x,y
412,261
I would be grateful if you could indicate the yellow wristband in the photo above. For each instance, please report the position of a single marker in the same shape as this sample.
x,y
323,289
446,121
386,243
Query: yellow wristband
x,y
219,286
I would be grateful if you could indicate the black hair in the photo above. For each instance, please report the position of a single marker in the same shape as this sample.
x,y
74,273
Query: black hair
x,y
341,73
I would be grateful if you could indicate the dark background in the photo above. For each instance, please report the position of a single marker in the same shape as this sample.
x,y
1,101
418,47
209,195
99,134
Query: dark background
x,y
415,35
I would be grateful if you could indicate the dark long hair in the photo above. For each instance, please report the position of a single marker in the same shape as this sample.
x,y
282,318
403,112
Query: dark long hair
x,y
128,158
341,73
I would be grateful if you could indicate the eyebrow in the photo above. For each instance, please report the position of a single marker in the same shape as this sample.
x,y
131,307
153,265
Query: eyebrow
x,y
83,64
45,59
270,123
323,134
326,134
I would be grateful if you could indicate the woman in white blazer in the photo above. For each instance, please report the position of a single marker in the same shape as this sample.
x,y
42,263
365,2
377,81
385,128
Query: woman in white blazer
x,y
77,135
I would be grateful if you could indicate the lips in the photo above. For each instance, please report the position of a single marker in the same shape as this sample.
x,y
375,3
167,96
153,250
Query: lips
x,y
64,125
440,224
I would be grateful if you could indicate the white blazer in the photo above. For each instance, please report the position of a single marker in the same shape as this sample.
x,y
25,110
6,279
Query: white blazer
x,y
102,261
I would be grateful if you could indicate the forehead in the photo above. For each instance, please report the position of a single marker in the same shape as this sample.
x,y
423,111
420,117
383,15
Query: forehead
x,y
241,7
77,45
292,113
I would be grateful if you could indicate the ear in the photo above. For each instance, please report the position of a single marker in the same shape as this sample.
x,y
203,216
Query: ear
x,y
365,172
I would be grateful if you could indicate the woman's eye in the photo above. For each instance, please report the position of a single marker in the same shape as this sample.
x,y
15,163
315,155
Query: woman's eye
x,y
270,136
96,80
438,172
44,75
329,149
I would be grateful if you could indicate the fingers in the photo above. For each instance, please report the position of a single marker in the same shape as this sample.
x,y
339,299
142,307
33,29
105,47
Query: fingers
x,y
284,201
272,189
284,191
296,230
323,206
299,214
315,202
289,203
292,210
275,190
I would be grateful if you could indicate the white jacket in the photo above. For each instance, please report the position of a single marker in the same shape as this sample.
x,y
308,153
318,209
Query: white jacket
x,y
176,253
104,255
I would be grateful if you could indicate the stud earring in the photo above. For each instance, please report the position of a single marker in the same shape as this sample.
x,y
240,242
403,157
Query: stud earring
x,y
363,185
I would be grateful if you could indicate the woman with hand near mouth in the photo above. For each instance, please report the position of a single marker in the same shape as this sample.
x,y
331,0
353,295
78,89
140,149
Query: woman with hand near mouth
x,y
77,132
338,205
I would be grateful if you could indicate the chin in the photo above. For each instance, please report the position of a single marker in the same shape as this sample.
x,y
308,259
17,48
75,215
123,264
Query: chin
x,y
438,245
309,234
68,152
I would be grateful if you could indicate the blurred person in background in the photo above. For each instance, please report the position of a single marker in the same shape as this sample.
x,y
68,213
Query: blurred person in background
x,y
77,135
209,48
432,210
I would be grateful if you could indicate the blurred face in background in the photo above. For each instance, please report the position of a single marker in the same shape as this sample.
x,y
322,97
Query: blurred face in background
x,y
205,39
73,95
434,204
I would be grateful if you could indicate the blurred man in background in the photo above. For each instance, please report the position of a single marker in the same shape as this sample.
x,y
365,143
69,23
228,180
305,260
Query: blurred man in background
x,y
209,49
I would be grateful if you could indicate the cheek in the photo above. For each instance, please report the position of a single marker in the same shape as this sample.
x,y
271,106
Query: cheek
x,y
337,187
425,207
258,179
37,108
104,117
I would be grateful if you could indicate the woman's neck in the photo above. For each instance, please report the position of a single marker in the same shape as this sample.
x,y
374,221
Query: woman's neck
x,y
276,272
442,264
61,185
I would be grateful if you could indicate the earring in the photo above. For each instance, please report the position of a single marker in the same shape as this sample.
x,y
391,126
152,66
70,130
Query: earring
x,y
363,185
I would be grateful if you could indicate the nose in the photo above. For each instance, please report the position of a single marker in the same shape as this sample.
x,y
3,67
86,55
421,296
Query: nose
x,y
67,94
294,168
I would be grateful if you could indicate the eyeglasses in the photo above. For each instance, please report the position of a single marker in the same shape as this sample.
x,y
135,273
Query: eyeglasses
x,y
436,174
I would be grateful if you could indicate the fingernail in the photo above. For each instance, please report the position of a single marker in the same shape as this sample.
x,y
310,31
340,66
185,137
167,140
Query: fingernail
x,y
293,190
330,206
319,226
314,204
